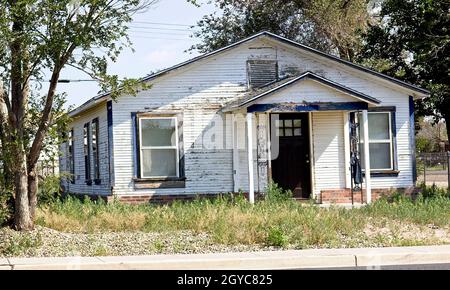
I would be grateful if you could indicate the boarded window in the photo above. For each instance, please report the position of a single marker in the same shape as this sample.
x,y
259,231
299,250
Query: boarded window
x,y
261,72
87,154
95,149
71,156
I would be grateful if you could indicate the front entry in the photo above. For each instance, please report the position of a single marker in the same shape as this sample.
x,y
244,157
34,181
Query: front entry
x,y
291,168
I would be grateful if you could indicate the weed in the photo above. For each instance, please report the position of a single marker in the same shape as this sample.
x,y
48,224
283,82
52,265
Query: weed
x,y
277,238
101,251
20,243
276,220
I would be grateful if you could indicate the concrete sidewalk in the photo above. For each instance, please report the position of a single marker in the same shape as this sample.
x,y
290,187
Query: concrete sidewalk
x,y
292,259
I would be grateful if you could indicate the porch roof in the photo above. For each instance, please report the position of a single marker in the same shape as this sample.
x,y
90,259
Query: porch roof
x,y
248,98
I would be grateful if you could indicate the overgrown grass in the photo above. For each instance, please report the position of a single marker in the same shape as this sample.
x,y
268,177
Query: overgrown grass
x,y
430,207
228,221
276,221
18,243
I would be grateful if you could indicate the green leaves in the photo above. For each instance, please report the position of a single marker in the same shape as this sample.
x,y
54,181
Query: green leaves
x,y
412,42
39,39
54,29
332,26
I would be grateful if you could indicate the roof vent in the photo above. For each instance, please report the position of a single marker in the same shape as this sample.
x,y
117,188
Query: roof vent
x,y
261,72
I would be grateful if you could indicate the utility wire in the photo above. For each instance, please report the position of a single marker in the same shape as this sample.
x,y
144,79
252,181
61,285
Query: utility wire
x,y
68,80
161,23
155,32
148,37
158,28
75,81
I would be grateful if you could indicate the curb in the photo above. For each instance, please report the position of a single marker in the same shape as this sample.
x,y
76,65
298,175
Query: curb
x,y
4,264
404,256
290,259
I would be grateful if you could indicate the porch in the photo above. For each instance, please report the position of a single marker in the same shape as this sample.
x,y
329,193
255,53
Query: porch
x,y
300,132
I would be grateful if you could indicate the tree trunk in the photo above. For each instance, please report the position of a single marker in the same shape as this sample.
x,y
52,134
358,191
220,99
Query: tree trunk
x,y
22,218
32,191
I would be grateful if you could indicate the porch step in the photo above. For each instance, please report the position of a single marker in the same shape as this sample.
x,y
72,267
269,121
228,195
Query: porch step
x,y
302,199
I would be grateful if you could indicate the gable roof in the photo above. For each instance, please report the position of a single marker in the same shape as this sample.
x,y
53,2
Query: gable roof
x,y
286,82
93,101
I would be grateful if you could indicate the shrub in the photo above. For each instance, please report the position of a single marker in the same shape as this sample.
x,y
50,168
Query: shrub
x,y
49,189
6,207
424,145
277,238
18,243
433,191
277,194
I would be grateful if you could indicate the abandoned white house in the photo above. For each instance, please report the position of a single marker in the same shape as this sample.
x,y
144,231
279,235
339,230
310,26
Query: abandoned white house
x,y
309,118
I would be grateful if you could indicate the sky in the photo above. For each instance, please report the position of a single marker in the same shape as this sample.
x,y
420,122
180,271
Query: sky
x,y
160,38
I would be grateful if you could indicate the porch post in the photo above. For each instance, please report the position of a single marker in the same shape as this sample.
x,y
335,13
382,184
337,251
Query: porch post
x,y
348,181
235,147
365,120
251,186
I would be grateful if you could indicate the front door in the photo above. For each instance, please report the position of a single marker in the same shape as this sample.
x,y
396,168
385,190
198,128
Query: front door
x,y
291,168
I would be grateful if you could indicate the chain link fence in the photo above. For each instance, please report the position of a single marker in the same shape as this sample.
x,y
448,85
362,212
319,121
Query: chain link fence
x,y
434,168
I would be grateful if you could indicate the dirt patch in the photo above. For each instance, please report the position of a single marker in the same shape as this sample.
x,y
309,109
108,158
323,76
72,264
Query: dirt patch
x,y
391,230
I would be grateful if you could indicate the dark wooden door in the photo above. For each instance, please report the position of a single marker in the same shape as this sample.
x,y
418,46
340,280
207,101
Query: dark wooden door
x,y
291,168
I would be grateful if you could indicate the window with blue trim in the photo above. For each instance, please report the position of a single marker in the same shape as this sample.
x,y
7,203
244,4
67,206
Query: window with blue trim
x,y
158,145
381,141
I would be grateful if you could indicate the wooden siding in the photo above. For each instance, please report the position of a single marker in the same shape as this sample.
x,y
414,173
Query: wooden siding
x,y
200,89
306,91
328,150
80,186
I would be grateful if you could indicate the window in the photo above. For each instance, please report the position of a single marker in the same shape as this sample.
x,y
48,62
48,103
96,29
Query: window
x,y
95,150
380,141
288,128
158,143
71,156
87,151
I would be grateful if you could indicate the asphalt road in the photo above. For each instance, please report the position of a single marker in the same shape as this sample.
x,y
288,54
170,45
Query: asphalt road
x,y
443,266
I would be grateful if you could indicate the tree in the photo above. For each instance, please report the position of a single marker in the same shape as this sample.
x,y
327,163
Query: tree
x,y
40,38
412,42
430,136
332,26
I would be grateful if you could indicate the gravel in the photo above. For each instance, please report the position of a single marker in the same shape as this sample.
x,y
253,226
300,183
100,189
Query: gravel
x,y
45,242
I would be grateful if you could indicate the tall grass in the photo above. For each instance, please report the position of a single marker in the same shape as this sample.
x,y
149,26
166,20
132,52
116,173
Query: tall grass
x,y
228,222
431,206
273,221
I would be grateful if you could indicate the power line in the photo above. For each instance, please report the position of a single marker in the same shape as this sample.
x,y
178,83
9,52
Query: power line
x,y
68,80
75,81
160,28
148,37
162,23
155,32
